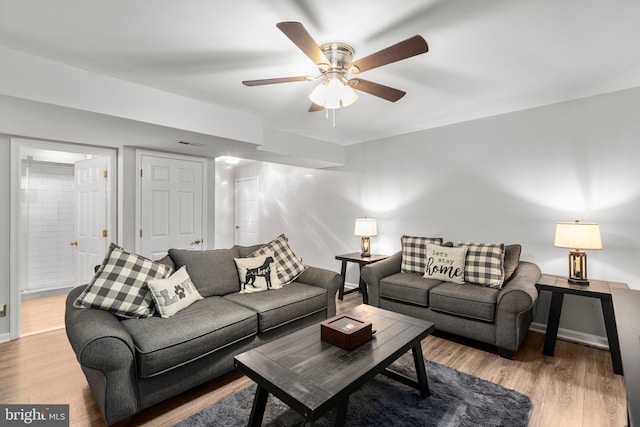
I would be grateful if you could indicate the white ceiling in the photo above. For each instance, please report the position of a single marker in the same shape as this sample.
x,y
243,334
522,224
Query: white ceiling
x,y
486,57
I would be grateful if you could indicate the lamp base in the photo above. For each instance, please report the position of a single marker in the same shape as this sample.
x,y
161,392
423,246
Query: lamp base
x,y
365,246
578,267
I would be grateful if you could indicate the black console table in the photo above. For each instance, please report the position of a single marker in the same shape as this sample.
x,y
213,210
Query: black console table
x,y
626,305
559,286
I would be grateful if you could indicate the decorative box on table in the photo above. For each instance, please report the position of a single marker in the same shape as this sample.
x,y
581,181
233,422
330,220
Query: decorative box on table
x,y
345,331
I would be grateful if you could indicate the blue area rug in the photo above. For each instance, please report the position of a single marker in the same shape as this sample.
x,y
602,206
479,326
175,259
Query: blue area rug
x,y
457,399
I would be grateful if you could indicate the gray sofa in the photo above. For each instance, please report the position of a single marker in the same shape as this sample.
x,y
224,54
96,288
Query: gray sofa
x,y
499,317
132,364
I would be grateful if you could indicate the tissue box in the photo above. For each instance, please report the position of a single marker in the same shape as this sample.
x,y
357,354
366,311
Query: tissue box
x,y
346,331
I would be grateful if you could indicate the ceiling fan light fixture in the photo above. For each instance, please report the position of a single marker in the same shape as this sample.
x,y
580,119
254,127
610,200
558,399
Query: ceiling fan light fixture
x,y
334,92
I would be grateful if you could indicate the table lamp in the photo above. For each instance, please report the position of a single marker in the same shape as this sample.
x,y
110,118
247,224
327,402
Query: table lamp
x,y
365,227
576,236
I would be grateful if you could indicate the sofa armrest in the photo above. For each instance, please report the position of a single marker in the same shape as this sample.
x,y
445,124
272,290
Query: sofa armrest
x,y
106,353
516,306
520,293
323,278
372,274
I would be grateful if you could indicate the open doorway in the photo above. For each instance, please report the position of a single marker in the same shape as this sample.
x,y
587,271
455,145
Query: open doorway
x,y
54,203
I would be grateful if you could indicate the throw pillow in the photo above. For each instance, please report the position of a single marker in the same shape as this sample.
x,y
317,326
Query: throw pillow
x,y
212,272
485,264
119,285
414,253
288,266
257,274
511,260
445,263
174,293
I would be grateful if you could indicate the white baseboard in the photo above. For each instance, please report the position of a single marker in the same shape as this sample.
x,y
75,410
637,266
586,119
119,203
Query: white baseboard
x,y
349,285
5,337
575,336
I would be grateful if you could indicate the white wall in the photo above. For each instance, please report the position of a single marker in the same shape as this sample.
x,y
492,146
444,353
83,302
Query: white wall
x,y
311,206
224,206
508,179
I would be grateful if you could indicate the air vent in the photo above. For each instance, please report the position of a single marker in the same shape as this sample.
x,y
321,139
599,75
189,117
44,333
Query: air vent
x,y
193,144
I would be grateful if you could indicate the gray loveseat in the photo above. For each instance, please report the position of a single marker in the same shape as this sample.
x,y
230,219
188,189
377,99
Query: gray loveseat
x,y
132,364
499,317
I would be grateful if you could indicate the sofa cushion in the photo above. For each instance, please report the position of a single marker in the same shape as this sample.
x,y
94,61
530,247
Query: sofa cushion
x,y
414,253
257,274
213,272
407,287
511,260
485,263
200,329
288,266
119,285
280,306
475,302
166,260
244,251
173,293
445,263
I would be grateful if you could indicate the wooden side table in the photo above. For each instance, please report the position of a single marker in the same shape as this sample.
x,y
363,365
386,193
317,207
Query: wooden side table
x,y
361,261
559,286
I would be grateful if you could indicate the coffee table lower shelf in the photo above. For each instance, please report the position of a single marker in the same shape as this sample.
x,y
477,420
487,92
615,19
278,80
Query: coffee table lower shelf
x,y
314,377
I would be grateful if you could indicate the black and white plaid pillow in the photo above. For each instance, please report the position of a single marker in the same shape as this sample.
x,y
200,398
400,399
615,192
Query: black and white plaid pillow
x,y
485,264
414,253
288,266
119,285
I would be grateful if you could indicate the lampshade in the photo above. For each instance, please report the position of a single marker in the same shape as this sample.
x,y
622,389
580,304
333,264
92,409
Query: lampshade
x,y
578,235
334,92
366,227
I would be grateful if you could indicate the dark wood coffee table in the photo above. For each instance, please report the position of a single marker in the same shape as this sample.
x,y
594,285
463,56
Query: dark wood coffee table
x,y
314,377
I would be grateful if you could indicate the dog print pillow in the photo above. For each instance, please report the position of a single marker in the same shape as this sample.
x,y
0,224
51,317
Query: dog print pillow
x,y
257,274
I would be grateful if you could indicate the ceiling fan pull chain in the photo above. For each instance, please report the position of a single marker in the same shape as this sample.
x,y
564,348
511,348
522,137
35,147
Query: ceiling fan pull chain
x,y
333,111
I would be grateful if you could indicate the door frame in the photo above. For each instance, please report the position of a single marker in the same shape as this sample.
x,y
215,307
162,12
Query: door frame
x,y
165,155
17,146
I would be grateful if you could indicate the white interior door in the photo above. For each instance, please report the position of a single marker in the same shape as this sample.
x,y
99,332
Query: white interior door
x,y
247,215
171,204
91,215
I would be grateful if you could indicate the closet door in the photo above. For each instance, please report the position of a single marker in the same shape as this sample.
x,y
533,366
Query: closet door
x,y
171,204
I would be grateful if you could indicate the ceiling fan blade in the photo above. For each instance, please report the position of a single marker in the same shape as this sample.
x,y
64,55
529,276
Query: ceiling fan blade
x,y
376,89
274,81
315,107
413,46
301,38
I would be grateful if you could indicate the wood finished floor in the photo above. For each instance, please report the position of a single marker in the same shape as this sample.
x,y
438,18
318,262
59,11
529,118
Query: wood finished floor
x,y
42,315
576,387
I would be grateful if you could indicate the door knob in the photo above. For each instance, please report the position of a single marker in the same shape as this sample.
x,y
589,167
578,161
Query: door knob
x,y
74,243
196,242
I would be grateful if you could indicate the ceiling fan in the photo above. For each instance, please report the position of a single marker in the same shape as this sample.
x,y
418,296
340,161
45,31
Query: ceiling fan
x,y
334,60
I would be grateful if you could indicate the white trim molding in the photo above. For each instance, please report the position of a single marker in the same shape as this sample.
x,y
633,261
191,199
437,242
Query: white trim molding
x,y
575,336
